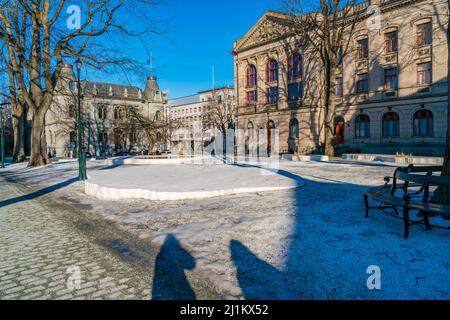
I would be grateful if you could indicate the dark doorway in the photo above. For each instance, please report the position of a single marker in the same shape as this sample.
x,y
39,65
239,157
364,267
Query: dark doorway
x,y
339,131
294,134
119,142
270,126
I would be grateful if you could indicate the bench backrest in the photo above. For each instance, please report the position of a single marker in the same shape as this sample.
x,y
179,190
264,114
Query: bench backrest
x,y
431,175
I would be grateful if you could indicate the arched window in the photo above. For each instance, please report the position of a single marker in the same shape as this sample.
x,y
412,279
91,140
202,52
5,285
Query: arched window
x,y
272,70
101,111
295,67
251,76
250,125
362,126
391,125
294,132
119,113
158,115
295,86
423,123
339,120
271,125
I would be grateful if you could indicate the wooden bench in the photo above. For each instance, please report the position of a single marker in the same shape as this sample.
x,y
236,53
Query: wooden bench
x,y
411,190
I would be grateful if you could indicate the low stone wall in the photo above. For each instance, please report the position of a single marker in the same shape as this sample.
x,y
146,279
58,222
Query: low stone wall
x,y
406,160
369,157
312,157
147,161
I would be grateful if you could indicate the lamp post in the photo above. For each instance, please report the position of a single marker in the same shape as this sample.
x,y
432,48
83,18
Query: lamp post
x,y
2,135
81,152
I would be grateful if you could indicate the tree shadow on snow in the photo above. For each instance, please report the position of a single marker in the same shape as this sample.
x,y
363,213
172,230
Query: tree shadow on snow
x,y
38,193
169,281
260,280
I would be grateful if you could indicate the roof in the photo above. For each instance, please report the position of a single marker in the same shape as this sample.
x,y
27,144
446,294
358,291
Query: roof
x,y
114,90
271,26
216,89
195,98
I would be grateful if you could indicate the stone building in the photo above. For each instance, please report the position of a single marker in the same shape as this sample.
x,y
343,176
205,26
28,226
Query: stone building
x,y
391,91
188,114
106,113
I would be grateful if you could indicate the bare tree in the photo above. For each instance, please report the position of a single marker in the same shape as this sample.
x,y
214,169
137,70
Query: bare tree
x,y
39,39
220,113
18,106
328,33
151,131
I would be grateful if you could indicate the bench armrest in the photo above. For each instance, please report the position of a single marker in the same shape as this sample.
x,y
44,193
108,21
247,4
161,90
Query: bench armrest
x,y
425,187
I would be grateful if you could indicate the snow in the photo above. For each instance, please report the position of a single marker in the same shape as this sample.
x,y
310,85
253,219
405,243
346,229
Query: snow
x,y
180,182
311,242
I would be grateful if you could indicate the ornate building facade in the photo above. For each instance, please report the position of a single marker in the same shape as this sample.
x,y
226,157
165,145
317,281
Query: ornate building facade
x,y
109,113
391,91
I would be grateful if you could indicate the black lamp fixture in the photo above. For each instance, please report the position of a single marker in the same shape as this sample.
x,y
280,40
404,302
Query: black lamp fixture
x,y
78,64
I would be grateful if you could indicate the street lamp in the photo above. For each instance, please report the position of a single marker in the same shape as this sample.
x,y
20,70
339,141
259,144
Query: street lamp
x,y
2,135
81,152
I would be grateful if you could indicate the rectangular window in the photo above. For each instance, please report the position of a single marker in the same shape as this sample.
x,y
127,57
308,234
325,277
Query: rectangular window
x,y
390,42
252,96
363,49
424,34
424,76
272,95
362,85
339,87
295,91
390,79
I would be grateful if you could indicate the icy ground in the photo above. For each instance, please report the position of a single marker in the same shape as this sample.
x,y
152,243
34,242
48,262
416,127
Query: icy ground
x,y
308,243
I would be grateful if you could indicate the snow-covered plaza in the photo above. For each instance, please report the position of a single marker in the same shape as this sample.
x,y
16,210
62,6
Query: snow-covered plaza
x,y
306,238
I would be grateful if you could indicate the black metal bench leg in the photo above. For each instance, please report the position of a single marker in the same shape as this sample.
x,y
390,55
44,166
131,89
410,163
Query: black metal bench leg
x,y
366,203
426,220
406,222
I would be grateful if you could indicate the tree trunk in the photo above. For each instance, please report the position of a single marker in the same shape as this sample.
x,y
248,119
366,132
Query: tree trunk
x,y
38,154
329,110
19,138
18,123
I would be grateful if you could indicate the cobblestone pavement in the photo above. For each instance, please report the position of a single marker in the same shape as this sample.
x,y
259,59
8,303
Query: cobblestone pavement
x,y
43,256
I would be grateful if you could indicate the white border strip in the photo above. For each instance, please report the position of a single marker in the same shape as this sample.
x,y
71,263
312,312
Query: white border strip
x,y
108,193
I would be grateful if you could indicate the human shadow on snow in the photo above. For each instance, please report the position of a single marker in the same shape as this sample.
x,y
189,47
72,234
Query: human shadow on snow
x,y
169,281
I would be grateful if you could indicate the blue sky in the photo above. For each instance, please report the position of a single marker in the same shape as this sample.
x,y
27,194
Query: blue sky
x,y
199,33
